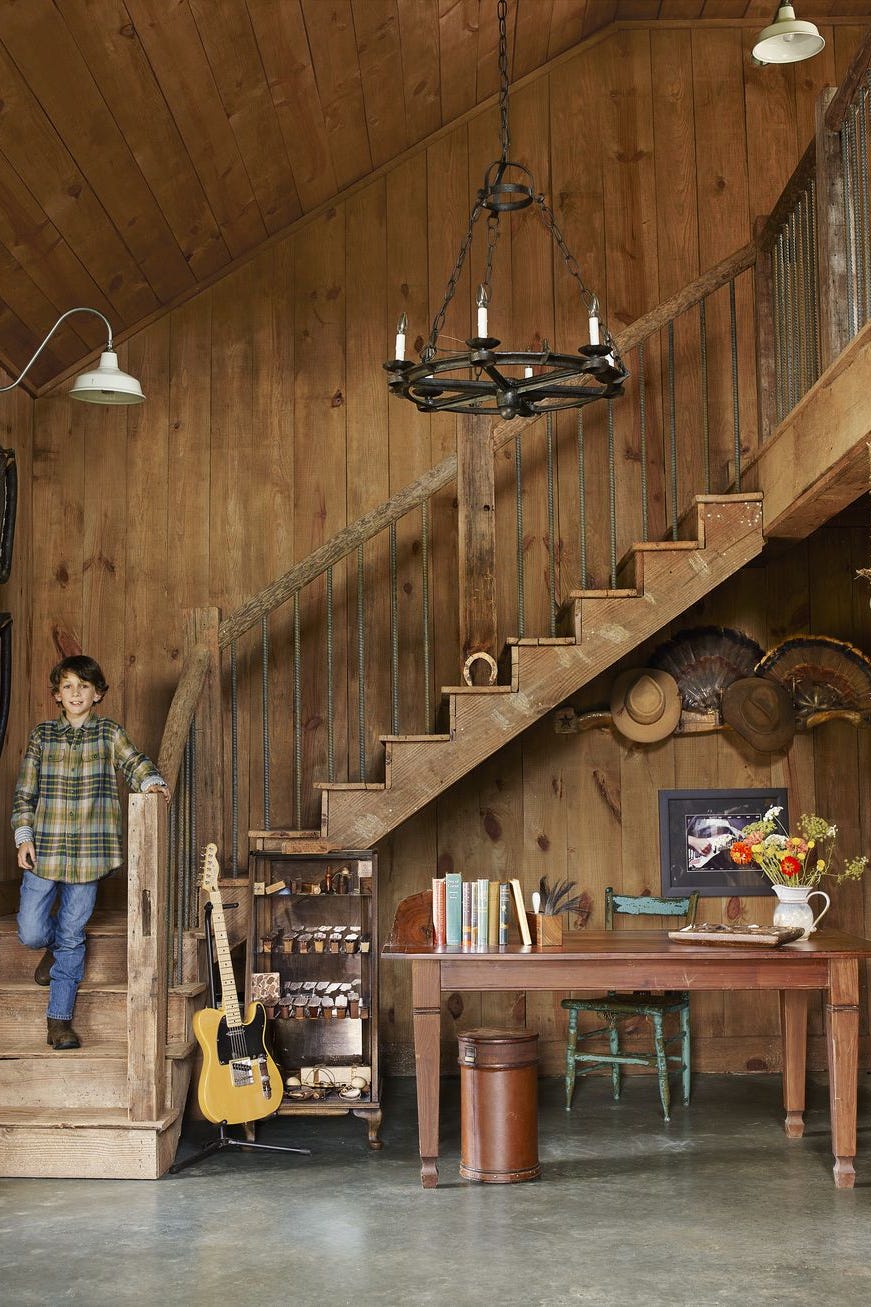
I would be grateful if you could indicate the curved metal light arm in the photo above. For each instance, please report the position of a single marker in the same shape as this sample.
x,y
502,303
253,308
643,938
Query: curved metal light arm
x,y
81,309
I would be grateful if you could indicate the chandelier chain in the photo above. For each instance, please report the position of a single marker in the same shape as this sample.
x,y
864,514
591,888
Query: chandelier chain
x,y
502,18
590,299
439,320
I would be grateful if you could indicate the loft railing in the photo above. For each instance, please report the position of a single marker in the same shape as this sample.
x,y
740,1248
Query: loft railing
x,y
297,685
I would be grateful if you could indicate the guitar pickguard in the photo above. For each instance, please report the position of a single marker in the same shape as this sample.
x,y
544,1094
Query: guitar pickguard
x,y
251,1037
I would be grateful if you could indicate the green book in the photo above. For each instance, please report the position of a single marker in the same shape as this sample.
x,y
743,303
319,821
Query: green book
x,y
454,905
483,891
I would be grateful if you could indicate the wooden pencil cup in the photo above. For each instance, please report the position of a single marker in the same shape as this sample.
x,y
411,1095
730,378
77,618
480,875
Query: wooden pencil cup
x,y
499,1106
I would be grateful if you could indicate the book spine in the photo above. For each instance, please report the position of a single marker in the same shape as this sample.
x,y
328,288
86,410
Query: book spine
x,y
467,914
454,909
504,912
519,908
483,913
439,912
473,915
493,915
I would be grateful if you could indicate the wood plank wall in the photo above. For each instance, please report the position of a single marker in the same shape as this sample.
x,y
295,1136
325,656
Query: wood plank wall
x,y
268,427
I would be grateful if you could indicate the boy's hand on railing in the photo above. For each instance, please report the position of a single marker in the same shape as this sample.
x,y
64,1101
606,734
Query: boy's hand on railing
x,y
163,790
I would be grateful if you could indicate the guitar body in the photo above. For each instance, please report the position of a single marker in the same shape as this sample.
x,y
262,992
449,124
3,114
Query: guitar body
x,y
239,1080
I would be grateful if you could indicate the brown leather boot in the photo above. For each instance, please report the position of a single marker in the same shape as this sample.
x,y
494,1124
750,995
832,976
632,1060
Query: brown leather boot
x,y
61,1034
42,974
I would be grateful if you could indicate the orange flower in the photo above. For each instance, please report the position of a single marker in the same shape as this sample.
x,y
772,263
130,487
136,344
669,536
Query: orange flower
x,y
741,853
790,866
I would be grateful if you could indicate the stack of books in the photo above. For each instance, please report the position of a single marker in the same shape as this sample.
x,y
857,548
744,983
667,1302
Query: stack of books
x,y
475,914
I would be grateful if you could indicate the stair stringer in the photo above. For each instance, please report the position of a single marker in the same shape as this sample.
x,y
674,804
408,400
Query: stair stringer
x,y
666,579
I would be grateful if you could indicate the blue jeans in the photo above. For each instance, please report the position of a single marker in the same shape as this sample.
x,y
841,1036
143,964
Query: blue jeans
x,y
63,933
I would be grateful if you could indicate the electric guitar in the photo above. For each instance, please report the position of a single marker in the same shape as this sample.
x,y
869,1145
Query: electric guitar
x,y
239,1080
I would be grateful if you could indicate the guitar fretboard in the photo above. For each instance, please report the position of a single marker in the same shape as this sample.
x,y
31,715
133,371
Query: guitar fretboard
x,y
229,999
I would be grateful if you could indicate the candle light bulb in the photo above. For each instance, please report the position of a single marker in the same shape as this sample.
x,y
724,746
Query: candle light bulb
x,y
481,301
527,372
401,328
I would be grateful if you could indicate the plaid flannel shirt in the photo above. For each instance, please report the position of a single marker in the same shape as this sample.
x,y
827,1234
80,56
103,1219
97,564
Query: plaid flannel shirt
x,y
66,797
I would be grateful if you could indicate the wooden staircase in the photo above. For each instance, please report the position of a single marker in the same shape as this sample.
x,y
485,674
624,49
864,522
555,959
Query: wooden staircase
x,y
67,1113
656,583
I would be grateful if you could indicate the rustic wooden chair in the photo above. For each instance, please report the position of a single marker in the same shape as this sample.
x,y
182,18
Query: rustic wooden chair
x,y
616,1008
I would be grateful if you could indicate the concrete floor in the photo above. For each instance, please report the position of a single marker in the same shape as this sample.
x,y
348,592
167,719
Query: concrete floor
x,y
719,1208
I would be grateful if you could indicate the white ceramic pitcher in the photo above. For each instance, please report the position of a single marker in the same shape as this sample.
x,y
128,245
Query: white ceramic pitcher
x,y
794,909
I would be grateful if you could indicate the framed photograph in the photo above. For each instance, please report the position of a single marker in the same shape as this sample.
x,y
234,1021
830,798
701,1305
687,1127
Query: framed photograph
x,y
696,830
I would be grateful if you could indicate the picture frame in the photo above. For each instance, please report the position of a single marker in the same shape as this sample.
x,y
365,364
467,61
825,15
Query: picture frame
x,y
696,828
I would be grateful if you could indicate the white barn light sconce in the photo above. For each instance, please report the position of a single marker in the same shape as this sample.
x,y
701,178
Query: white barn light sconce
x,y
105,384
787,40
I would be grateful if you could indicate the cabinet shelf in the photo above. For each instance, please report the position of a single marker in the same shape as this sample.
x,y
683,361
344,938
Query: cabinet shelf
x,y
313,963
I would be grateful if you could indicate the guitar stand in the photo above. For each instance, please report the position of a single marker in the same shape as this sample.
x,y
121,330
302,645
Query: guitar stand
x,y
224,1140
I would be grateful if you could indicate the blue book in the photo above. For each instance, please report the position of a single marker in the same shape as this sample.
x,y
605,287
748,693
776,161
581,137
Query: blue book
x,y
454,900
504,911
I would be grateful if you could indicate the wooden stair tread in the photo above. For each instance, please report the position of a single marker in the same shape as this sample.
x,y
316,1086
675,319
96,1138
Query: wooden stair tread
x,y
86,987
279,833
539,641
103,922
107,1118
660,547
600,594
477,689
37,1047
349,785
414,739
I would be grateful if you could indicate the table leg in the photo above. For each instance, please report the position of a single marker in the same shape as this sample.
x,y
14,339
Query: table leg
x,y
793,1034
842,1044
426,999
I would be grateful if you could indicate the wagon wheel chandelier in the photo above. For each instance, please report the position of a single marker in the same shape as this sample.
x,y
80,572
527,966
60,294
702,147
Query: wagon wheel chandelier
x,y
508,383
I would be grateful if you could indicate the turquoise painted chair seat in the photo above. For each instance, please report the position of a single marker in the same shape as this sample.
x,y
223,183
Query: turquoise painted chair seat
x,y
617,1008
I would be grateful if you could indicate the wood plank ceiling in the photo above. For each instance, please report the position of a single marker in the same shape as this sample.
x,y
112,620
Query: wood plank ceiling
x,y
148,145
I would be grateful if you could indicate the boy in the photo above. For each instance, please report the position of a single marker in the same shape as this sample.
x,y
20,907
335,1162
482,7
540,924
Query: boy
x,y
66,816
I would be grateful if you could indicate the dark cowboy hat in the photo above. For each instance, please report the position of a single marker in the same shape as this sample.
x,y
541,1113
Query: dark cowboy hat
x,y
761,711
645,704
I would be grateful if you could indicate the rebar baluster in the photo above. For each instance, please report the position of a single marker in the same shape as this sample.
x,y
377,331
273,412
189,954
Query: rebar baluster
x,y
518,529
849,227
361,664
792,312
331,693
862,171
264,712
193,859
424,591
551,524
800,298
234,752
612,499
779,341
297,716
672,431
642,452
394,633
186,864
582,501
706,410
173,938
736,408
814,282
182,846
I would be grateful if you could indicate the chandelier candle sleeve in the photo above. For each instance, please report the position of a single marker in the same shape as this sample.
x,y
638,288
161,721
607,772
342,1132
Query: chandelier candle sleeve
x,y
481,301
401,329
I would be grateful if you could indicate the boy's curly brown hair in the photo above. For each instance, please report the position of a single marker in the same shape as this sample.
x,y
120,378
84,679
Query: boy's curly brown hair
x,y
80,665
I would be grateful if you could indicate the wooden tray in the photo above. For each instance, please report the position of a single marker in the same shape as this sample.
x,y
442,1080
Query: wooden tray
x,y
761,936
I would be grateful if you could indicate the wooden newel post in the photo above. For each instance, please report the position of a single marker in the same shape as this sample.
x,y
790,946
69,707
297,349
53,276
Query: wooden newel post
x,y
476,495
831,236
201,628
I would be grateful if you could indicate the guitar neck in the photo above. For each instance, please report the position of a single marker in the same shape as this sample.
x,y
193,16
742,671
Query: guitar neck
x,y
229,999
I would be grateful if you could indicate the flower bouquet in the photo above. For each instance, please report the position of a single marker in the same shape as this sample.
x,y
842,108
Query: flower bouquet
x,y
794,860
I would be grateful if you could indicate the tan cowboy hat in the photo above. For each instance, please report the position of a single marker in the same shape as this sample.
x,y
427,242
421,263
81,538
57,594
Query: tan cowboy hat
x,y
645,704
761,711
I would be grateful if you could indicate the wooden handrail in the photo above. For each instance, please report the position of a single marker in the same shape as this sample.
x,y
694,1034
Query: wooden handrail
x,y
181,713
797,183
334,550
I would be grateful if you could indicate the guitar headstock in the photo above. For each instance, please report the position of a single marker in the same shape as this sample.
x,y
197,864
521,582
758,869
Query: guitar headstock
x,y
211,871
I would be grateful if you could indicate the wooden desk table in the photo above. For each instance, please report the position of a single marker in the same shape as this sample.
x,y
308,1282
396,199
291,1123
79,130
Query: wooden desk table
x,y
626,960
